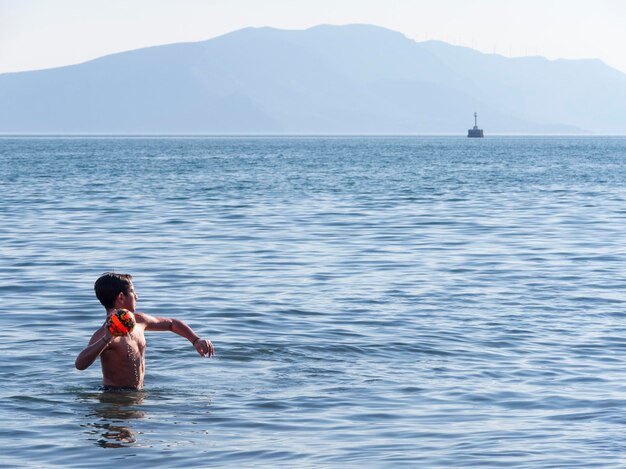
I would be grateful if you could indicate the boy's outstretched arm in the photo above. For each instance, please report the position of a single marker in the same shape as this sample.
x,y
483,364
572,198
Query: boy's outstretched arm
x,y
153,323
97,344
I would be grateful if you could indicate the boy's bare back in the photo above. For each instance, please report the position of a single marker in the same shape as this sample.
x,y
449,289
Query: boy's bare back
x,y
122,360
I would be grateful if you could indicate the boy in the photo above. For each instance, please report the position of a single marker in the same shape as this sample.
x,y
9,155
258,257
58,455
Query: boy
x,y
122,358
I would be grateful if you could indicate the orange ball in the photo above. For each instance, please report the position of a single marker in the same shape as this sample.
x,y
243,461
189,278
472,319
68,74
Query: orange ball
x,y
121,322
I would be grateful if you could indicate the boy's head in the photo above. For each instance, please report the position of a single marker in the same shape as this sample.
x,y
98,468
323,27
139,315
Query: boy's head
x,y
109,286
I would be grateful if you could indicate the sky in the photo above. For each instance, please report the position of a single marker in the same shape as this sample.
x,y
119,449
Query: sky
x,y
36,34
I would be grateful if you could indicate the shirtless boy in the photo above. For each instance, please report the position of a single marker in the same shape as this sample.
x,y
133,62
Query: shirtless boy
x,y
122,358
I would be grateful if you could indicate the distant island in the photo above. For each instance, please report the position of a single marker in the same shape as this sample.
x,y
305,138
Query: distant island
x,y
354,79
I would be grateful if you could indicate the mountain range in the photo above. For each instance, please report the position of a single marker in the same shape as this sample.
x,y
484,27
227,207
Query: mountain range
x,y
353,79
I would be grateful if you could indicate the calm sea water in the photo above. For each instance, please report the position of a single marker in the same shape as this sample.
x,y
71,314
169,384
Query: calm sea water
x,y
374,302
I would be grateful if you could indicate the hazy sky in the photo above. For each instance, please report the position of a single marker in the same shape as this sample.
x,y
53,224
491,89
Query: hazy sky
x,y
38,34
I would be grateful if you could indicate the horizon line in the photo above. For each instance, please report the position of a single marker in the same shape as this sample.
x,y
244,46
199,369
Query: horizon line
x,y
293,135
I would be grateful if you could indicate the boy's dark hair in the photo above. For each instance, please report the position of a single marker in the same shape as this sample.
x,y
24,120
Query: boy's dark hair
x,y
109,285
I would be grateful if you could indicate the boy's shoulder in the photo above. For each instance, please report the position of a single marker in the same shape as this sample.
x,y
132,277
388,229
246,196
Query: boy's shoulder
x,y
98,334
143,318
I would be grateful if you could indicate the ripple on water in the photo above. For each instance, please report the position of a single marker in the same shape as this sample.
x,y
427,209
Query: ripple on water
x,y
426,302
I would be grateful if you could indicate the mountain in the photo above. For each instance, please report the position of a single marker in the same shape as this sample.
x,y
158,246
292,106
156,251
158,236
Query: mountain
x,y
326,79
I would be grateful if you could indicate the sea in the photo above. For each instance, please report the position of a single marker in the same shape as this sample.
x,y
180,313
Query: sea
x,y
430,302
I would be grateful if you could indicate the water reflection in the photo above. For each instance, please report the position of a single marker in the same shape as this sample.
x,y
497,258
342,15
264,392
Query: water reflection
x,y
114,413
